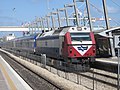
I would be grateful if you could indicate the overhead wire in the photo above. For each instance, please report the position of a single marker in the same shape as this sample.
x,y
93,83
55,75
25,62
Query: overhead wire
x,y
118,6
115,3
100,11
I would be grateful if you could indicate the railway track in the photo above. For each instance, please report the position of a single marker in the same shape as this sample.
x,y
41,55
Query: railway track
x,y
111,67
95,79
35,81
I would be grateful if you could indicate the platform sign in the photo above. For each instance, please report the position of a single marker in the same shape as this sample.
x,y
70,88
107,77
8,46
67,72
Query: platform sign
x,y
118,75
117,45
117,41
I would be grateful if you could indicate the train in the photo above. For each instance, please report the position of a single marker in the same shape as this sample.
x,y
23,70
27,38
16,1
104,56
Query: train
x,y
71,44
103,49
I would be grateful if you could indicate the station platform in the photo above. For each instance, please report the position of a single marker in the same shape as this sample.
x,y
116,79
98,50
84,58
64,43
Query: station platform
x,y
112,60
9,79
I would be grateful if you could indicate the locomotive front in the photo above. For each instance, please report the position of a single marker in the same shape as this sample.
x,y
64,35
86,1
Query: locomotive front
x,y
79,46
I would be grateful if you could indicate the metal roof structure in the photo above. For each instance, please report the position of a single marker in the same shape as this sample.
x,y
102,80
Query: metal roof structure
x,y
104,32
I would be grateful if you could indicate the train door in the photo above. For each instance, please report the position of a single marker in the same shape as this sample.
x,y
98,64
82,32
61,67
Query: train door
x,y
61,45
102,46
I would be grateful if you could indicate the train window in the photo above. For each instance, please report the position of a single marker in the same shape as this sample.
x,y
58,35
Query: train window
x,y
57,31
80,37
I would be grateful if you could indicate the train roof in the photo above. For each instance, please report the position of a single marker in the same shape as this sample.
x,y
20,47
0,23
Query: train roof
x,y
33,36
63,30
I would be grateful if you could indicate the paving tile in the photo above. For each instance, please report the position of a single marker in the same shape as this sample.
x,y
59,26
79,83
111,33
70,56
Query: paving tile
x,y
3,84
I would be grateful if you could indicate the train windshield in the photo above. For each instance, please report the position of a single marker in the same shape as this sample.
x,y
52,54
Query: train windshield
x,y
80,37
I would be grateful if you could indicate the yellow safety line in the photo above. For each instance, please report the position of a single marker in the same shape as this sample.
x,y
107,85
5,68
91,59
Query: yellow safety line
x,y
10,82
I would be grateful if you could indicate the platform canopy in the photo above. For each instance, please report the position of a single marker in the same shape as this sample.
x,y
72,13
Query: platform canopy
x,y
13,28
104,32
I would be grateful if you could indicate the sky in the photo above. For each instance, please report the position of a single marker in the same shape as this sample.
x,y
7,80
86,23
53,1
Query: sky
x,y
17,12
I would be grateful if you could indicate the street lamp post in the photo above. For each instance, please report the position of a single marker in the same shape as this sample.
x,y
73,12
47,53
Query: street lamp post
x,y
59,21
89,16
37,22
42,22
35,26
48,23
53,24
76,13
32,28
106,14
66,15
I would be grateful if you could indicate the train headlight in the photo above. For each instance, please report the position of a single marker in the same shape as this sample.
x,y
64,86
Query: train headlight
x,y
70,50
79,28
74,54
94,49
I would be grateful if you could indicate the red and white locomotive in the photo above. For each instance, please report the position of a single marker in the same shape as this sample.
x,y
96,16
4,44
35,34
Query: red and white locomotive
x,y
71,44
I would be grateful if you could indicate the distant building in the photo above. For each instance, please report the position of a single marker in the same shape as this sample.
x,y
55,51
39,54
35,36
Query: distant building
x,y
9,37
